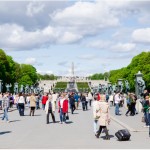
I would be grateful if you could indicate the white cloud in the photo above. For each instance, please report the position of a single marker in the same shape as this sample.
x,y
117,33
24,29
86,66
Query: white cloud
x,y
141,35
85,18
69,37
44,72
34,8
99,44
123,47
30,61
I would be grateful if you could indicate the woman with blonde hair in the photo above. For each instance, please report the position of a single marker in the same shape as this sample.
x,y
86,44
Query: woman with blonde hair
x,y
50,109
63,107
104,119
32,104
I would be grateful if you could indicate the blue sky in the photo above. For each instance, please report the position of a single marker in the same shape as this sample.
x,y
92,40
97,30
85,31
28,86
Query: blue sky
x,y
97,36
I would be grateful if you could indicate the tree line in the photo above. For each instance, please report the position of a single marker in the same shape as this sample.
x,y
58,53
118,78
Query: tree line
x,y
140,62
11,72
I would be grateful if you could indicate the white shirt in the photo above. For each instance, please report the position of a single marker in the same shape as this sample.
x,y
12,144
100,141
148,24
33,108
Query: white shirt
x,y
117,99
21,100
61,102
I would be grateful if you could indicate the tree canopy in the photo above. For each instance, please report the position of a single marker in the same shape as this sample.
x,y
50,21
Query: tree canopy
x,y
11,72
141,63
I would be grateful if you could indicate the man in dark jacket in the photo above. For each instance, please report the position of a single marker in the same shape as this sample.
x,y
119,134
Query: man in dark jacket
x,y
72,103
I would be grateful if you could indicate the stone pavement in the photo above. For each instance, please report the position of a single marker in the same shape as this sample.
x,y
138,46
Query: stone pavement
x,y
132,123
33,132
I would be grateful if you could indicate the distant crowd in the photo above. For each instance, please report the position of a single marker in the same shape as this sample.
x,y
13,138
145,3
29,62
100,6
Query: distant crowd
x,y
100,103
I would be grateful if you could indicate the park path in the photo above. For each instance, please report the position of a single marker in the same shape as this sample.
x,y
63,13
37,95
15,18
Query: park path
x,y
33,132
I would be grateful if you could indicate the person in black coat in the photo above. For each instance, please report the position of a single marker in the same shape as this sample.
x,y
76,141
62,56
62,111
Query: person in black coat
x,y
84,103
72,103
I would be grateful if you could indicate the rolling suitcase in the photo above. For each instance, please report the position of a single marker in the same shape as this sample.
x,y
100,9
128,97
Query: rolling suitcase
x,y
123,135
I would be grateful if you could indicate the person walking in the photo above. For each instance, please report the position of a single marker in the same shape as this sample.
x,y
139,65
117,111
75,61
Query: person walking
x,y
111,100
128,101
32,104
5,107
50,109
28,100
21,104
117,102
63,107
96,115
90,97
84,103
76,97
1,98
72,103
54,98
44,99
147,111
104,119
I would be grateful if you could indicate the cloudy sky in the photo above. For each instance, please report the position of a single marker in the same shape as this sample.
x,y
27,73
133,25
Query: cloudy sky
x,y
97,35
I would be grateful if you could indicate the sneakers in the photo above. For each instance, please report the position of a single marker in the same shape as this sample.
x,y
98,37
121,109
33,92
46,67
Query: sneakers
x,y
8,121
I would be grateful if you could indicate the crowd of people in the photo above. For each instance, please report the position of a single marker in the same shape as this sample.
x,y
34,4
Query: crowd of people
x,y
63,101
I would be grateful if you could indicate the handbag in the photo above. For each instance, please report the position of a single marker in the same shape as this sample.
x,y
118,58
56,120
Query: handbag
x,y
67,117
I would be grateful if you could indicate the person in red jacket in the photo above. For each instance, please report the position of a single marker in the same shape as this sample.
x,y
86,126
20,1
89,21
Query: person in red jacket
x,y
98,96
44,100
63,107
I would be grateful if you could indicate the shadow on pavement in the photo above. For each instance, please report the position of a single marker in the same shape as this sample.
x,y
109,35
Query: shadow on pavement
x,y
15,120
37,115
55,122
75,113
69,122
111,136
1,133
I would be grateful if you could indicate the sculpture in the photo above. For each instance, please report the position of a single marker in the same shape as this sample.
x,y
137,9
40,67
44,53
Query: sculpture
x,y
141,86
127,86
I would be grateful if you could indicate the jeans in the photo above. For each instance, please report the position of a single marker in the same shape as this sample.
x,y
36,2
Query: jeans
x,y
147,118
62,116
5,115
117,109
95,126
37,105
43,106
21,109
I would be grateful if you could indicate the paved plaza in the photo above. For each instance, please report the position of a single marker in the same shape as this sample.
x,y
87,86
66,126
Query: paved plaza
x,y
33,132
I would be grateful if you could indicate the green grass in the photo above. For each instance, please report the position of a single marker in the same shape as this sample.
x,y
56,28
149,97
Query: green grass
x,y
83,86
60,86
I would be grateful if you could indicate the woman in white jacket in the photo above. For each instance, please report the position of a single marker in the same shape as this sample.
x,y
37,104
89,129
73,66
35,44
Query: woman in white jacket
x,y
104,119
96,115
50,109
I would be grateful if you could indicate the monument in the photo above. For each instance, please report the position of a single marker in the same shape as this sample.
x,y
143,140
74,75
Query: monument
x,y
139,84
